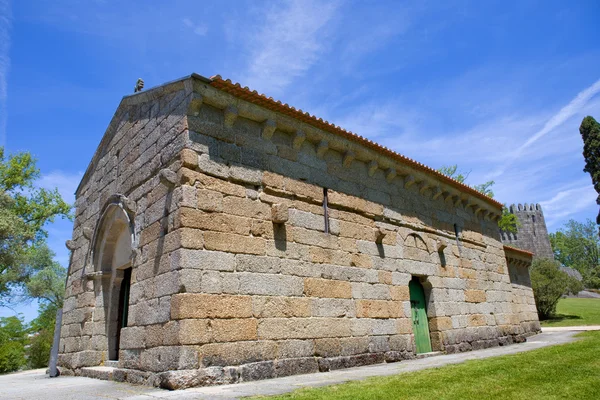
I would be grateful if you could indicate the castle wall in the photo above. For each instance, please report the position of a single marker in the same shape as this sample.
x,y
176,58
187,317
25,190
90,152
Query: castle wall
x,y
235,277
532,235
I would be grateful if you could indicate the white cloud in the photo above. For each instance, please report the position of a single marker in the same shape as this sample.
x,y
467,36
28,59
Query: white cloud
x,y
569,202
288,44
65,182
5,22
572,108
199,29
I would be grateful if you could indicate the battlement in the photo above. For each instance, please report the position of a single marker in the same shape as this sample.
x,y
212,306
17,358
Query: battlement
x,y
532,235
525,207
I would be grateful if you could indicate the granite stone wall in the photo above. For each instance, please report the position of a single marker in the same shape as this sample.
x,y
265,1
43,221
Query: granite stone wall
x,y
234,275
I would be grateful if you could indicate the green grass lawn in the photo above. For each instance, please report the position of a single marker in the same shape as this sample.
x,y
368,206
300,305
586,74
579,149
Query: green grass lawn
x,y
570,371
571,312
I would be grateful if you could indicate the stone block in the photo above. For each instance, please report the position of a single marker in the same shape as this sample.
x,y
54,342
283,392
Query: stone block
x,y
329,307
206,260
234,243
296,366
276,306
215,222
270,284
354,345
371,291
209,200
248,263
236,353
160,359
191,305
475,296
246,208
233,330
295,348
329,347
257,371
327,288
440,323
303,328
379,309
193,331
328,256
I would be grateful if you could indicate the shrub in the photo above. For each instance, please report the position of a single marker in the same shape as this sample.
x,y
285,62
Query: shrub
x,y
549,284
13,337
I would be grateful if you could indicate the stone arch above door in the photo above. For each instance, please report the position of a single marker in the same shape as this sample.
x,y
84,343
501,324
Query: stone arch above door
x,y
112,254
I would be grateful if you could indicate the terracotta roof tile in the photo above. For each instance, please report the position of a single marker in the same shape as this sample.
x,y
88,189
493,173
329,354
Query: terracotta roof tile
x,y
516,250
274,105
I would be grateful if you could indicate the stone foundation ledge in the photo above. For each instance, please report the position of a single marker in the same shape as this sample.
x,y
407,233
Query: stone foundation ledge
x,y
487,343
219,375
182,379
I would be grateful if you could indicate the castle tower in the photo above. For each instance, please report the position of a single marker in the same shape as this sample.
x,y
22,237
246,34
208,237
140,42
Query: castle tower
x,y
532,235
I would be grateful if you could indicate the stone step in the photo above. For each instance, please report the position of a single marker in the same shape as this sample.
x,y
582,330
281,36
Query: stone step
x,y
430,354
104,373
111,363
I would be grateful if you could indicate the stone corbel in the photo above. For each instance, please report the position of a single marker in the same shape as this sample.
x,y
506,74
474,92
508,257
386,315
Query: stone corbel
x,y
441,245
196,104
71,245
390,174
372,167
97,275
379,235
437,192
167,177
424,186
322,148
458,200
88,232
268,129
349,156
409,181
279,213
231,114
299,138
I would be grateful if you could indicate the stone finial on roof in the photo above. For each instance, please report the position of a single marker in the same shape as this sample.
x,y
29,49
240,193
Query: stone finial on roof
x,y
139,85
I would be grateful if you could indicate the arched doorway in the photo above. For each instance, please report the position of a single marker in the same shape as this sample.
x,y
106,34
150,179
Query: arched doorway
x,y
112,259
419,316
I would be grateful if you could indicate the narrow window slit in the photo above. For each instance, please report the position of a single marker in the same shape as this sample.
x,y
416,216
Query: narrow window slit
x,y
325,210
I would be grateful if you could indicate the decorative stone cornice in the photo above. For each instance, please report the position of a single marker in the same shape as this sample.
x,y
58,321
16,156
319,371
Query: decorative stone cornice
x,y
236,101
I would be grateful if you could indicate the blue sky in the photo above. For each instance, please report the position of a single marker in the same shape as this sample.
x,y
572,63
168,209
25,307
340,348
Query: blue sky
x,y
497,87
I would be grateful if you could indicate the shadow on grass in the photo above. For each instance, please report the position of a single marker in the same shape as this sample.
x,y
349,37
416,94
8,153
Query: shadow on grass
x,y
562,317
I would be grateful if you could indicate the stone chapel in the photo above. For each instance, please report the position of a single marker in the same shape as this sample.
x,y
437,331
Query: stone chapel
x,y
222,236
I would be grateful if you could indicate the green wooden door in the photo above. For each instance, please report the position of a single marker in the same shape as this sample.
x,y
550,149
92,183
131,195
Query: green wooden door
x,y
419,317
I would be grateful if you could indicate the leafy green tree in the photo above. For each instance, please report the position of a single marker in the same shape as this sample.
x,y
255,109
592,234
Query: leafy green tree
x,y
47,286
549,284
43,335
13,337
24,211
590,133
577,245
508,222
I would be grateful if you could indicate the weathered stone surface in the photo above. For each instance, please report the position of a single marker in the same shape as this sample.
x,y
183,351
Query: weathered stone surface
x,y
327,288
188,305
